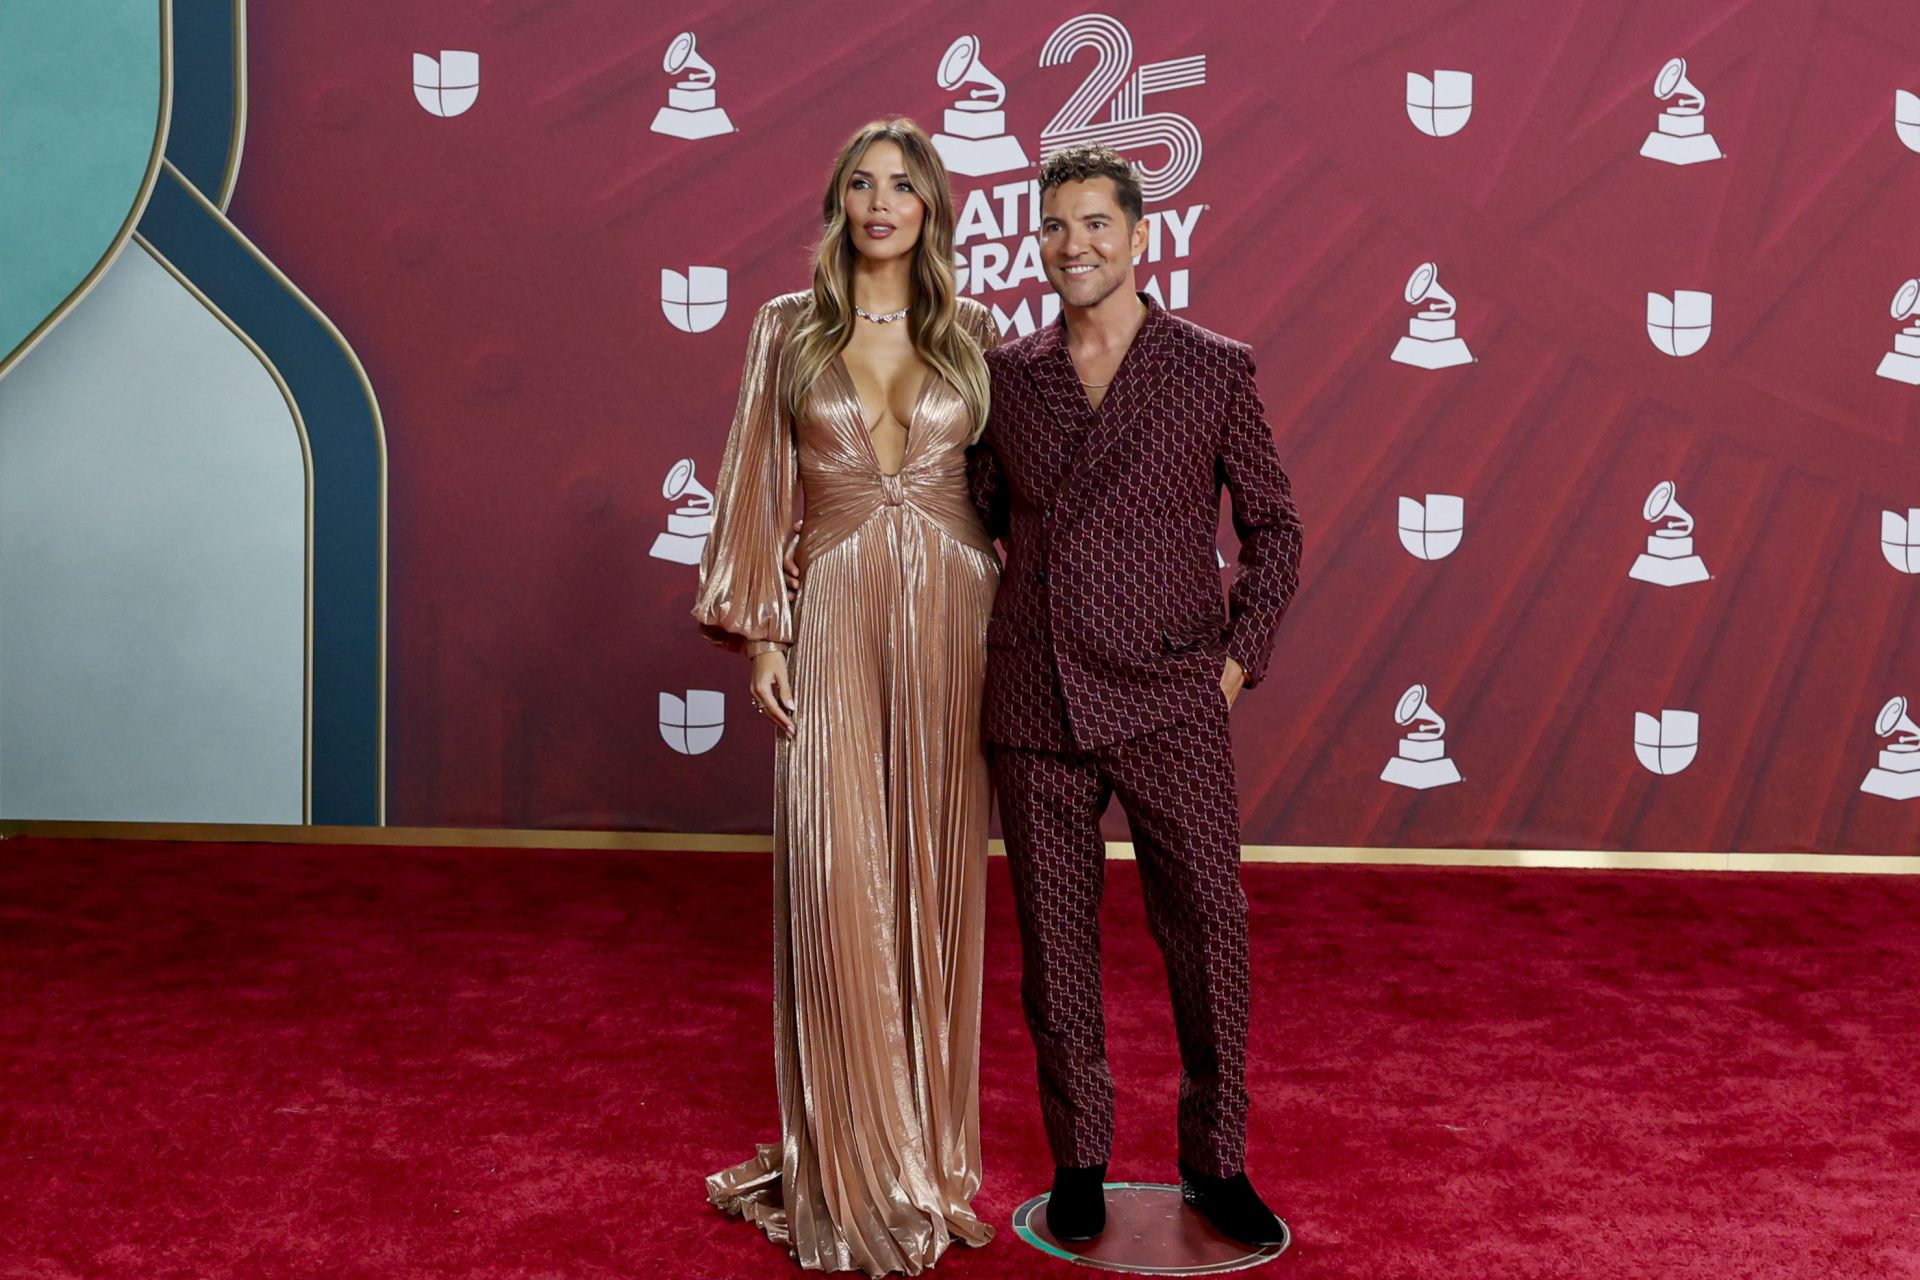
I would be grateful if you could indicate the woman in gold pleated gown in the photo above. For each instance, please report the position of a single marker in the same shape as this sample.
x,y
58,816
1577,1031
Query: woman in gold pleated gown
x,y
866,392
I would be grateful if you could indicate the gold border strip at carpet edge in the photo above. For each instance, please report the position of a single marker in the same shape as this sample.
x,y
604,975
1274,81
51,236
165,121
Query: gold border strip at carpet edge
x,y
1117,850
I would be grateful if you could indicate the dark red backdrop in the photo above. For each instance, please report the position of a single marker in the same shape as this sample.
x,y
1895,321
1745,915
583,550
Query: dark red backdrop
x,y
498,273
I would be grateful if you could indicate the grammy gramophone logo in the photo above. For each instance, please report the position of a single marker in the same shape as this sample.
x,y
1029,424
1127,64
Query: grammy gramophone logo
x,y
449,84
1897,774
692,110
1669,560
1430,341
974,140
1421,760
688,524
1902,364
1681,135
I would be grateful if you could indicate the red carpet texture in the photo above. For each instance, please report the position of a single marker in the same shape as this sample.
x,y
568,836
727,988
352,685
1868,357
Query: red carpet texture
x,y
258,1061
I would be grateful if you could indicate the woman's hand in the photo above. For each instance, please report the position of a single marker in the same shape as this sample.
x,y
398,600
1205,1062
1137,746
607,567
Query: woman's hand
x,y
772,695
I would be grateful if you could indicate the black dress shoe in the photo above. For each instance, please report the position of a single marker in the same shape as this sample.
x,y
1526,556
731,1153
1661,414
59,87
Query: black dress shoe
x,y
1234,1208
1077,1208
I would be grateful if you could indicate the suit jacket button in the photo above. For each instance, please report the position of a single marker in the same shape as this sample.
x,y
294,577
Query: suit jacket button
x,y
1040,576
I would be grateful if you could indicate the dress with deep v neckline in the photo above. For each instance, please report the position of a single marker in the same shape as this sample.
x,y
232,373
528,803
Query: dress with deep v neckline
x,y
853,388
880,807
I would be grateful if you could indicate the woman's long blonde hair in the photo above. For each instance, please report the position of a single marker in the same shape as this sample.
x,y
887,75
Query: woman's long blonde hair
x,y
933,319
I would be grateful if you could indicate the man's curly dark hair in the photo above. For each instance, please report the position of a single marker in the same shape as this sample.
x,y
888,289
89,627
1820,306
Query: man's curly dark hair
x,y
1086,160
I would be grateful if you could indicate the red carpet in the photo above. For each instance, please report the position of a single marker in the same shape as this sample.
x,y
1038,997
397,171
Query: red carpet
x,y
271,1062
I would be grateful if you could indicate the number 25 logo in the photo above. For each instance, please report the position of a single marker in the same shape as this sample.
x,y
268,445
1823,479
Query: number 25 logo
x,y
1114,81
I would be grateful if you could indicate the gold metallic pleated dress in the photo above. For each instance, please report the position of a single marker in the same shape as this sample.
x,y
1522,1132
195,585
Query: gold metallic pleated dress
x,y
880,809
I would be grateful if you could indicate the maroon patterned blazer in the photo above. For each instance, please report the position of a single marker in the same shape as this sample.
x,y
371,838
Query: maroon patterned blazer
x,y
1109,621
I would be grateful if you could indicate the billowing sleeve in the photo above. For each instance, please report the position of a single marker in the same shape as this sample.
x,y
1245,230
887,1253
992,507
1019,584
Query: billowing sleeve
x,y
979,322
742,601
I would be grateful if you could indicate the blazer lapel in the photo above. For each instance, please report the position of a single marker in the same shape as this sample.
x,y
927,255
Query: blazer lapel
x,y
1134,384
1054,377
1053,373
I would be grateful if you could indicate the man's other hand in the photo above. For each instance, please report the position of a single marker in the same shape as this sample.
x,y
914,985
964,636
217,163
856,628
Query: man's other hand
x,y
790,564
1231,681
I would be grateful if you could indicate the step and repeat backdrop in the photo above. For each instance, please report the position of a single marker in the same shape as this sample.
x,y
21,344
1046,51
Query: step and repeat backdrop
x,y
1588,334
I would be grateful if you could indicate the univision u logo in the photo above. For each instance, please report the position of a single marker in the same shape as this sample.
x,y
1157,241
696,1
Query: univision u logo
x,y
1669,744
693,725
696,301
1431,530
449,84
1906,118
1681,324
1440,107
1900,539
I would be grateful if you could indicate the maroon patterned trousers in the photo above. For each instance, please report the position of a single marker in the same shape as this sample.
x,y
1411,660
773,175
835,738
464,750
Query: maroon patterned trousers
x,y
1176,785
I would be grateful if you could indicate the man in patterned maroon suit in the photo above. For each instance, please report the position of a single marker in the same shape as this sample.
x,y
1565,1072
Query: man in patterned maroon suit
x,y
1111,667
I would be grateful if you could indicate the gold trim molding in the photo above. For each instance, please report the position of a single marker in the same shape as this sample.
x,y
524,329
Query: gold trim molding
x,y
1117,850
237,136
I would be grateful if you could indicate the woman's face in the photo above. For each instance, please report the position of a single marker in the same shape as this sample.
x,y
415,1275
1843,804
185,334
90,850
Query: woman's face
x,y
883,214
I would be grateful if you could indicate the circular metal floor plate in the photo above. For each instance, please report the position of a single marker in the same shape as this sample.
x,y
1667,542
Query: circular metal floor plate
x,y
1150,1232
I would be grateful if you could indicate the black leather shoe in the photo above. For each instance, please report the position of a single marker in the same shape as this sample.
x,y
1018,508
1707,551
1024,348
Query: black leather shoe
x,y
1234,1208
1077,1208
